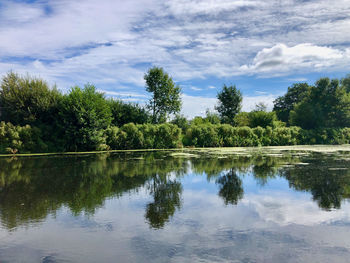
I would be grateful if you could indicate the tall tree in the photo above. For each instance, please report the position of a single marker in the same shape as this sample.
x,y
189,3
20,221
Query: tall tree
x,y
284,104
165,94
230,103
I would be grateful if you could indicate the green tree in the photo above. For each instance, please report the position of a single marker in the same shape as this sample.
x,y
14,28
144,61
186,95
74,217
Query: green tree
x,y
261,117
27,100
242,119
345,82
230,103
212,117
165,94
84,115
181,122
123,113
327,104
284,104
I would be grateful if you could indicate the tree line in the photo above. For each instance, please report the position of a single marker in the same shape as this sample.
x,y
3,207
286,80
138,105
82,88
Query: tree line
x,y
38,118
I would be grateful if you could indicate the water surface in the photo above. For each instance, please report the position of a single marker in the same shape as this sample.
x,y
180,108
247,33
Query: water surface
x,y
254,206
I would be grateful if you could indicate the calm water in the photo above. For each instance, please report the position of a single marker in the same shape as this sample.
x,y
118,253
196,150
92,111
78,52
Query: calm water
x,y
173,207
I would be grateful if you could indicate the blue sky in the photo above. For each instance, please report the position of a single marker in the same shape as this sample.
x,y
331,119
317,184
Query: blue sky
x,y
260,46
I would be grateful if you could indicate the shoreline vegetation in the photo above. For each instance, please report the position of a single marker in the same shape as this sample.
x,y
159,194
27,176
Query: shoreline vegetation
x,y
35,118
191,151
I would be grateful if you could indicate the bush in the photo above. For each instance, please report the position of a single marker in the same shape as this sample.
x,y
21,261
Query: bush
x,y
20,139
205,135
144,136
262,119
123,113
26,100
84,116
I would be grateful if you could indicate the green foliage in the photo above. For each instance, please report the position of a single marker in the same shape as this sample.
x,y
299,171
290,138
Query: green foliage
x,y
212,117
181,122
26,100
202,136
20,139
84,115
145,136
327,104
284,104
230,103
242,119
165,94
345,82
262,119
42,119
225,135
123,113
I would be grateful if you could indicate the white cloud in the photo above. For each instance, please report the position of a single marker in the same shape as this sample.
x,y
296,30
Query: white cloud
x,y
281,209
249,102
114,42
196,106
181,7
123,94
196,89
281,58
19,13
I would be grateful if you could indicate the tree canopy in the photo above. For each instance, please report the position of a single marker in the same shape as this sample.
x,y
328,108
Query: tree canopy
x,y
230,103
165,94
27,100
327,104
284,104
84,115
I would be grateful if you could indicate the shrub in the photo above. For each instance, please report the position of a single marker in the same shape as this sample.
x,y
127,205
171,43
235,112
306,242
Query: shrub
x,y
20,139
85,114
202,136
167,136
144,136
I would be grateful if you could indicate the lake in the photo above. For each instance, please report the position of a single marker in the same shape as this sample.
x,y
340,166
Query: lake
x,y
199,205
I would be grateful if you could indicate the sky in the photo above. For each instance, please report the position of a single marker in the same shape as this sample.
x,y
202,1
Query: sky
x,y
262,47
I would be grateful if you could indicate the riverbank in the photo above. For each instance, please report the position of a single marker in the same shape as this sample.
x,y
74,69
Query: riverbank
x,y
209,150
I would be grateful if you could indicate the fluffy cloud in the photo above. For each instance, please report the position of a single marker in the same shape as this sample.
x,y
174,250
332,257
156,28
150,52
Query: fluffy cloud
x,y
281,58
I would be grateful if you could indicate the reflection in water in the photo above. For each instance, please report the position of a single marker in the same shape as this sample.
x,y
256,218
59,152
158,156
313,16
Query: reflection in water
x,y
327,179
161,207
230,187
167,198
32,188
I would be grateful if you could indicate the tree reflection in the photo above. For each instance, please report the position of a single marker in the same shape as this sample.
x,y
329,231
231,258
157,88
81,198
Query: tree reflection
x,y
230,187
326,179
33,188
167,198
